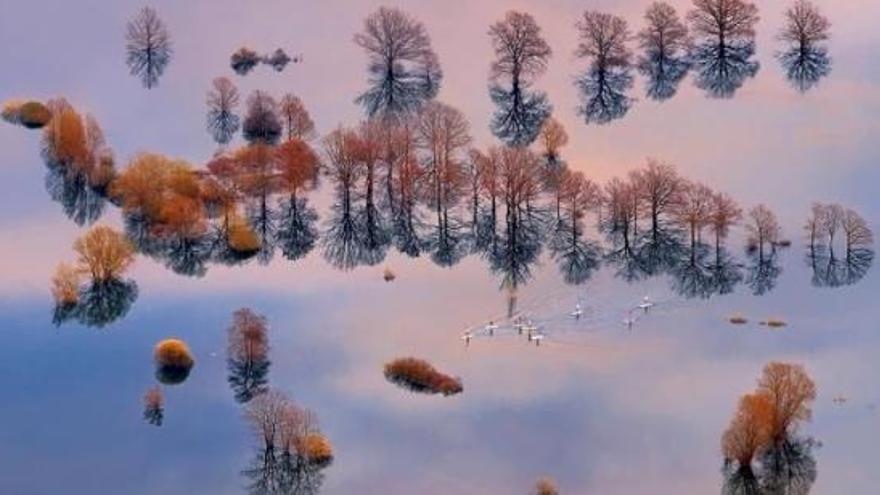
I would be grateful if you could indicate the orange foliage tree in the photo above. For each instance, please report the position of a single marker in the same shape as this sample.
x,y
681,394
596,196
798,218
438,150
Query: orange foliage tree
x,y
103,253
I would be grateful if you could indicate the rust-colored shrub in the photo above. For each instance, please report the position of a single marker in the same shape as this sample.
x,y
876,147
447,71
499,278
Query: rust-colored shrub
x,y
546,486
316,448
419,376
65,284
34,115
11,111
173,361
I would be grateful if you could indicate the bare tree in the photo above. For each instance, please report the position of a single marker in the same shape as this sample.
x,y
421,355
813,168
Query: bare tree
x,y
665,44
603,87
659,188
148,47
805,57
403,69
521,56
856,232
724,213
443,135
261,123
763,229
725,44
296,119
693,212
792,392
223,123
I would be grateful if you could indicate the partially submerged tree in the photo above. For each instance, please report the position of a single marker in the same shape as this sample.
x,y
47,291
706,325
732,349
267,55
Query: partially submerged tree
x,y
261,122
403,68
247,354
296,119
763,229
724,32
791,392
521,57
243,60
665,44
804,55
154,406
148,47
546,486
103,253
608,78
222,100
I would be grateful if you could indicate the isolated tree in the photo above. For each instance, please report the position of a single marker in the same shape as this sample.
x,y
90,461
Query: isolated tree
x,y
247,354
261,122
791,392
296,119
724,32
154,402
665,44
521,57
403,69
763,229
103,253
804,55
222,100
604,85
148,47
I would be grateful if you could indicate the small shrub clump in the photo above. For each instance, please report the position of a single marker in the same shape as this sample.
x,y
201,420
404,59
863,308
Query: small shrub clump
x,y
738,320
173,361
419,376
34,115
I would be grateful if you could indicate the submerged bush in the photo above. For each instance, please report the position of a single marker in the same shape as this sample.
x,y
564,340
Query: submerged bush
x,y
11,111
173,361
546,486
419,376
317,449
34,115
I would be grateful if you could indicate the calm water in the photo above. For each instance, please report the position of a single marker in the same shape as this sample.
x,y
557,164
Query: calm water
x,y
597,407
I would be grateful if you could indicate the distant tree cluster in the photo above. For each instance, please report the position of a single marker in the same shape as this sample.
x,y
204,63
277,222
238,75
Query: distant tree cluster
x,y
92,290
244,60
404,72
148,47
830,229
415,183
763,452
419,376
292,450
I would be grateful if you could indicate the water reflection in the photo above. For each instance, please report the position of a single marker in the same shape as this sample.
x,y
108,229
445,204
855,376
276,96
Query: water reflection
x,y
804,55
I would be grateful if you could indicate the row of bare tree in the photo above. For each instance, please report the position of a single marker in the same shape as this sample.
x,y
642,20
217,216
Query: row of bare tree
x,y
716,39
